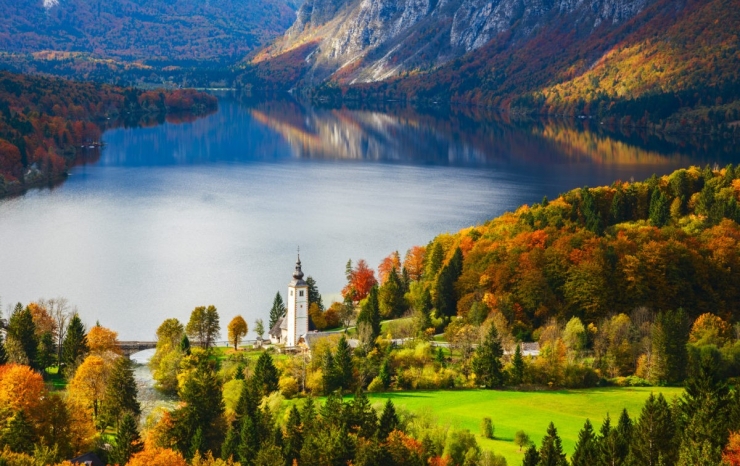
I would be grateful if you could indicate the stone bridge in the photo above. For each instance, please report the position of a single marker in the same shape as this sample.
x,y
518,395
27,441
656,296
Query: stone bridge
x,y
130,347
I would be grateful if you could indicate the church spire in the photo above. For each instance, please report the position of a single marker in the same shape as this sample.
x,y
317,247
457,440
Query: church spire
x,y
298,274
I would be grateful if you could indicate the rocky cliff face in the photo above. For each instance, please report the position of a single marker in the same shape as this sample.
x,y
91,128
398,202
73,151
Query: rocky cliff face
x,y
372,40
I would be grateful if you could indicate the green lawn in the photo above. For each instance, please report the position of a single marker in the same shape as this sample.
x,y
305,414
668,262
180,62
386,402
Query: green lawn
x,y
511,411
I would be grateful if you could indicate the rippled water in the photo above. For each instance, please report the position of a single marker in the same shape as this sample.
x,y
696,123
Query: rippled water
x,y
212,211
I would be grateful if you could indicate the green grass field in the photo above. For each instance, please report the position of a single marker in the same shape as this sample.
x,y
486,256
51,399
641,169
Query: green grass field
x,y
511,411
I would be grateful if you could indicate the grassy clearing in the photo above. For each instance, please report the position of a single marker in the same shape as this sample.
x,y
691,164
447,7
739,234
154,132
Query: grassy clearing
x,y
529,411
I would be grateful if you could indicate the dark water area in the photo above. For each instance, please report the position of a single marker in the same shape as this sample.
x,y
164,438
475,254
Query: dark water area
x,y
186,212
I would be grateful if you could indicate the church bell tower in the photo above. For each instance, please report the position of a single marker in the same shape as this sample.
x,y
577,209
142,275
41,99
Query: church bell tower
x,y
297,306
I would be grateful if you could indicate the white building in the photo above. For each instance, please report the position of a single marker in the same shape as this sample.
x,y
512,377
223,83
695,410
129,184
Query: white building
x,y
297,316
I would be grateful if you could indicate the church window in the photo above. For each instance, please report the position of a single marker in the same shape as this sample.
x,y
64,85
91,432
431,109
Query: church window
x,y
300,293
291,292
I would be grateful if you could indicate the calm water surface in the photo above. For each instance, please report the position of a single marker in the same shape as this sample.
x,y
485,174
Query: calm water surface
x,y
211,211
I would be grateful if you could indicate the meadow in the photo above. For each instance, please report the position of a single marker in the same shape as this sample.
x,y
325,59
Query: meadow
x,y
511,411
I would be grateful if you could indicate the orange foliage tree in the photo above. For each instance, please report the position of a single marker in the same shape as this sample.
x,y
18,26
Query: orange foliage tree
x,y
414,262
387,265
102,340
360,281
731,455
157,457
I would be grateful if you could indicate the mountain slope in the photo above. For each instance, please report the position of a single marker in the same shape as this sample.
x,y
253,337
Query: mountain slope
x,y
144,29
595,57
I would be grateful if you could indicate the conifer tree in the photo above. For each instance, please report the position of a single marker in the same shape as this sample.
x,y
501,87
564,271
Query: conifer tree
x,y
446,298
385,373
531,457
121,392
128,441
231,442
424,313
45,354
653,440
391,295
185,345
670,336
22,329
518,366
434,260
590,212
659,209
343,364
203,410
248,441
618,211
362,417
74,347
551,452
368,320
265,375
278,309
587,451
329,372
487,362
293,438
313,294
19,435
308,414
388,420
333,410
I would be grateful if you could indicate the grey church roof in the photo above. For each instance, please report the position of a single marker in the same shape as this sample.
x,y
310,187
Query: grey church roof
x,y
275,330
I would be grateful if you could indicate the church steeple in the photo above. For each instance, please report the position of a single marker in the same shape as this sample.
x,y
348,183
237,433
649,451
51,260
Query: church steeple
x,y
298,274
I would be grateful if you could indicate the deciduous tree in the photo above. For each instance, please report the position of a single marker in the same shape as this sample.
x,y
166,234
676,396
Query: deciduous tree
x,y
204,326
237,330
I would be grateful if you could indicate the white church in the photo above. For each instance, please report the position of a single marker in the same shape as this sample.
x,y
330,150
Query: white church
x,y
292,329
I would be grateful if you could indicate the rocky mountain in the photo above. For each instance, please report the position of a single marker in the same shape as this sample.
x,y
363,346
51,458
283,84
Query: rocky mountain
x,y
554,56
373,40
144,29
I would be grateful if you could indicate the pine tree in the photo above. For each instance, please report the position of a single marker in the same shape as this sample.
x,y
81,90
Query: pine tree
x,y
18,435
278,309
586,452
45,354
531,457
659,209
313,294
362,416
388,420
343,364
653,440
487,362
308,414
127,442
329,377
518,366
368,320
265,375
446,298
22,329
385,373
74,347
434,260
551,452
293,438
670,336
121,392
590,212
618,211
333,411
185,345
391,295
624,436
231,442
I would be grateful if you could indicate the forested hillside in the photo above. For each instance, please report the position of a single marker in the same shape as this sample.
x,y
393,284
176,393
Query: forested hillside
x,y
144,29
647,61
46,124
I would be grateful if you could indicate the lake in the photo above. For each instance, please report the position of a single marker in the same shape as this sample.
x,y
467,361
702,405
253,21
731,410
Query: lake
x,y
212,211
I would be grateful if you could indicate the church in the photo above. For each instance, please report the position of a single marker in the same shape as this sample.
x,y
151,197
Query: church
x,y
292,328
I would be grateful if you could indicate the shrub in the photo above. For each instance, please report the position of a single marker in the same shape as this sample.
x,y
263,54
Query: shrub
x,y
376,385
288,386
486,428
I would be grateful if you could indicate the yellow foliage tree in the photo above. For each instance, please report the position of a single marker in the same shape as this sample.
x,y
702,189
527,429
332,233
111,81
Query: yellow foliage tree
x,y
42,318
709,329
102,340
21,388
87,388
157,457
237,330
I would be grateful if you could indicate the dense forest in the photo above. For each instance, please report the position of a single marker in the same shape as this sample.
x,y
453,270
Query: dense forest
x,y
48,124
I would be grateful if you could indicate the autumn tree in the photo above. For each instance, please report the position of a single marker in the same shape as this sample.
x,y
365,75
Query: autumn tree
x,y
314,296
157,457
102,341
237,330
278,310
368,320
414,262
392,263
709,329
203,326
88,386
165,363
360,280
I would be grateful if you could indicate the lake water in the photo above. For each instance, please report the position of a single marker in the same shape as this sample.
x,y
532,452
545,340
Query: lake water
x,y
212,211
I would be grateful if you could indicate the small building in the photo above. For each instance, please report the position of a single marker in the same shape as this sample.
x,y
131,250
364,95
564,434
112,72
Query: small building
x,y
88,459
279,332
